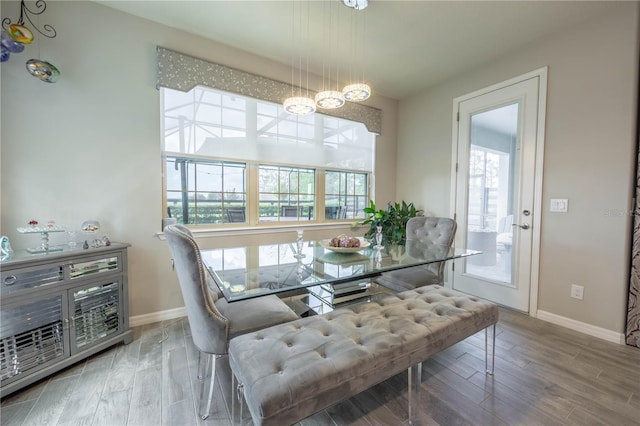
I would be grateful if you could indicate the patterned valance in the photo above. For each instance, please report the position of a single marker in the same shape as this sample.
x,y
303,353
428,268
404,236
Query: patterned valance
x,y
182,72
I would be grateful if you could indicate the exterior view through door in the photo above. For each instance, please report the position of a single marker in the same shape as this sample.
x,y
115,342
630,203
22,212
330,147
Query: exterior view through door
x,y
498,141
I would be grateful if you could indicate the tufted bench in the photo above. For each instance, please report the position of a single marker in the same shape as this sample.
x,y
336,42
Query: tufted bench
x,y
293,370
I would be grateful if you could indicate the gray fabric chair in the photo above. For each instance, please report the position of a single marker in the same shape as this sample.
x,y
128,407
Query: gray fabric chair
x,y
427,238
214,321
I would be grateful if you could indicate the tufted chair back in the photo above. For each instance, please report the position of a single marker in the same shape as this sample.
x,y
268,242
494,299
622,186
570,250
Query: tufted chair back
x,y
209,328
427,238
430,237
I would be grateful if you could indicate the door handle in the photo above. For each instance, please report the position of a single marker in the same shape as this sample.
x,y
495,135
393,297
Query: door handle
x,y
523,226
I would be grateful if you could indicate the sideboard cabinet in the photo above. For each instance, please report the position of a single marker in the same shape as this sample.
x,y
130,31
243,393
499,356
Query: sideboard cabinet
x,y
58,308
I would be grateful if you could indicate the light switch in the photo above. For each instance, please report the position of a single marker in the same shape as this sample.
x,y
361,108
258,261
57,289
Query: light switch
x,y
560,205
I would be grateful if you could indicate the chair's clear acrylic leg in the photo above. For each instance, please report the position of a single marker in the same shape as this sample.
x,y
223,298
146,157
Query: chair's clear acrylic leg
x,y
201,367
415,378
240,394
207,401
490,348
233,398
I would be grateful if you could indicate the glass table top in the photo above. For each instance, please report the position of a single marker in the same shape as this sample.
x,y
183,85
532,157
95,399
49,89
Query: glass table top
x,y
253,271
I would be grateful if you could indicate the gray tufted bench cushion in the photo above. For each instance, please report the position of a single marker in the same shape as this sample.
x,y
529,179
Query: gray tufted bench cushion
x,y
293,370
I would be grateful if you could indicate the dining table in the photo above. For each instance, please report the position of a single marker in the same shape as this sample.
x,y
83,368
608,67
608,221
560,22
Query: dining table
x,y
331,275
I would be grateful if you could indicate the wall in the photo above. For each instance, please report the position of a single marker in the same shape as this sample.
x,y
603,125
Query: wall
x,y
589,158
88,146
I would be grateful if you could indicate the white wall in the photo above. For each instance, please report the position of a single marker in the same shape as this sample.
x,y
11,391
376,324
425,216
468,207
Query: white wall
x,y
88,146
589,158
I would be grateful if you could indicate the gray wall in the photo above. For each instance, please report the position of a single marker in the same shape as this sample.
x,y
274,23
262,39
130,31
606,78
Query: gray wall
x,y
589,158
88,146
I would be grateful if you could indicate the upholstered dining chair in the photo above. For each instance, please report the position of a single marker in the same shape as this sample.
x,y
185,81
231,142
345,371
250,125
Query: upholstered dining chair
x,y
427,238
212,320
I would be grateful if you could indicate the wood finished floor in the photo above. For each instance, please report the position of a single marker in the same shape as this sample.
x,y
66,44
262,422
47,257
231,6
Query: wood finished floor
x,y
545,375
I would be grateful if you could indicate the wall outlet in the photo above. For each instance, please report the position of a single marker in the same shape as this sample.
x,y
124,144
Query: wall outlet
x,y
577,291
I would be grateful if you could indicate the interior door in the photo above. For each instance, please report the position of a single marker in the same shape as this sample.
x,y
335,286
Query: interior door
x,y
495,192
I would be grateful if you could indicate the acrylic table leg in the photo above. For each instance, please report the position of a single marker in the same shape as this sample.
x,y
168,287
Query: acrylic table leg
x,y
490,348
415,378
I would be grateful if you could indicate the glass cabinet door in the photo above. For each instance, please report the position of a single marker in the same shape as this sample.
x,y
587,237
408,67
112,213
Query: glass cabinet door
x,y
89,266
95,312
31,336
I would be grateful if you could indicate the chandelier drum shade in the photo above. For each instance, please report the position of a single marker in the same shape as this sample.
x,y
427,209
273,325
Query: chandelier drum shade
x,y
329,99
356,4
299,105
356,92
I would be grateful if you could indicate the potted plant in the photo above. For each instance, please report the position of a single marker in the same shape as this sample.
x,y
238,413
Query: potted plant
x,y
393,221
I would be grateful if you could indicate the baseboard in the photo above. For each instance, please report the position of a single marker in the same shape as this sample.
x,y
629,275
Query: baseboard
x,y
582,327
169,314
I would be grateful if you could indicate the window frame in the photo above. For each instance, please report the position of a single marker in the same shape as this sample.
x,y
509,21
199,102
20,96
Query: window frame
x,y
252,192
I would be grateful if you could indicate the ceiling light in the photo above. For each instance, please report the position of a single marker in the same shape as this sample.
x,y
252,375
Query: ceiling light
x,y
356,92
356,4
299,105
329,99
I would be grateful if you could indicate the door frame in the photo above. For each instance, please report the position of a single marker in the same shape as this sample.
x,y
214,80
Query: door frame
x,y
541,73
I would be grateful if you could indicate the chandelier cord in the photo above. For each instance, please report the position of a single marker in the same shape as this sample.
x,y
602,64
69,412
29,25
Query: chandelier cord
x,y
293,45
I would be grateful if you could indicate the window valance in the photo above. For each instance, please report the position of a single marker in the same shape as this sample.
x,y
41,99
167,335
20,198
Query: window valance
x,y
182,72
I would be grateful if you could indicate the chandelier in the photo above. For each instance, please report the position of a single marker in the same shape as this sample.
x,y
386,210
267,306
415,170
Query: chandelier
x,y
297,103
358,91
329,97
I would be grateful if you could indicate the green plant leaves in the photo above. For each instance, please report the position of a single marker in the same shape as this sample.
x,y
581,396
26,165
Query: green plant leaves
x,y
393,221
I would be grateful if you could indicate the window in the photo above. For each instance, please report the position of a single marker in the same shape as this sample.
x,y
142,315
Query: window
x,y
286,193
346,194
234,159
205,191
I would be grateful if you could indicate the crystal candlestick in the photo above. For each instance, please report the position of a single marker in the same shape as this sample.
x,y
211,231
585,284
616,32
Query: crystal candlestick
x,y
379,237
299,245
378,257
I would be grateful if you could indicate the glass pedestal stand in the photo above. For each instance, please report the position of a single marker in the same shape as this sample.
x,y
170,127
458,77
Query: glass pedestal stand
x,y
44,239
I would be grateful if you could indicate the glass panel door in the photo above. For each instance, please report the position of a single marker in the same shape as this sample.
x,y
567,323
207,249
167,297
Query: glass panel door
x,y
31,336
495,201
96,313
493,166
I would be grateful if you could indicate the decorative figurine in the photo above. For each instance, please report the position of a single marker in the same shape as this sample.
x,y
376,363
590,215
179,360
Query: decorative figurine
x,y
85,245
106,241
5,248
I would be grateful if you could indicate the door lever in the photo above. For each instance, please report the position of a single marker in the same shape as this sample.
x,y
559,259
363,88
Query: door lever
x,y
523,226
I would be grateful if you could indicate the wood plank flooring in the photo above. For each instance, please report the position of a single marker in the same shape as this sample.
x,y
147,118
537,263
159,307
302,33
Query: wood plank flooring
x,y
545,375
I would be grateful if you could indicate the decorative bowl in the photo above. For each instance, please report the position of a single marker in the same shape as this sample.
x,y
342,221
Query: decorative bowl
x,y
363,245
